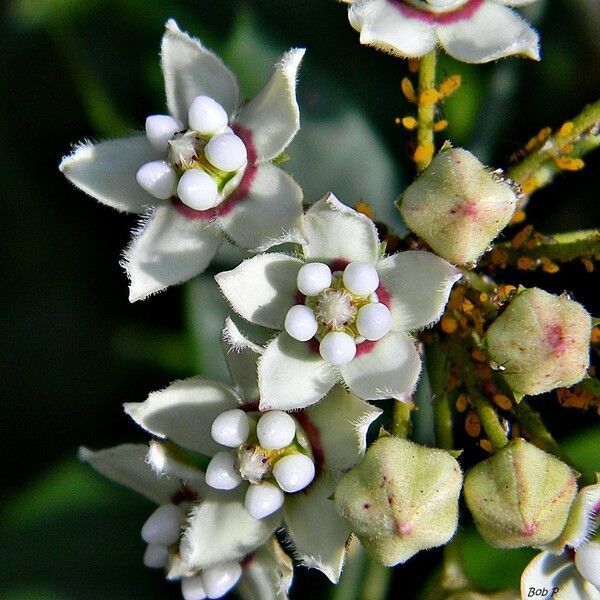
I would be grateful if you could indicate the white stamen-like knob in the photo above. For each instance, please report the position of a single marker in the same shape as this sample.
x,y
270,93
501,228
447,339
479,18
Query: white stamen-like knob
x,y
163,526
587,561
300,323
207,116
361,279
198,190
263,499
275,430
226,152
160,129
158,178
294,472
337,348
231,428
374,321
218,580
156,556
221,473
192,588
313,278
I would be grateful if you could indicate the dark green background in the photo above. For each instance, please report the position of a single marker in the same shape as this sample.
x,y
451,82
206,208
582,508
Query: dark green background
x,y
74,349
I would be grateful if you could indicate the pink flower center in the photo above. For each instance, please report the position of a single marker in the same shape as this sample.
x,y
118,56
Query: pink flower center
x,y
427,14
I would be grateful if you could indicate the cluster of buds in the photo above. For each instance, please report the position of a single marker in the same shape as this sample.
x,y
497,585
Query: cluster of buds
x,y
266,452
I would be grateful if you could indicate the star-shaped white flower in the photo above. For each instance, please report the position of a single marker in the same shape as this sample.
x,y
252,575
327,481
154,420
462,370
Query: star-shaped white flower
x,y
570,567
251,462
201,172
473,31
159,475
346,310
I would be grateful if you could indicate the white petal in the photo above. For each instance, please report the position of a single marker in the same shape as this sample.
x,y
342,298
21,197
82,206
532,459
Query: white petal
x,y
192,70
269,214
166,250
389,370
242,358
267,574
418,284
127,465
107,171
549,571
389,27
318,533
339,423
263,288
184,412
192,588
163,526
273,116
587,561
156,556
291,375
517,2
220,529
494,31
336,231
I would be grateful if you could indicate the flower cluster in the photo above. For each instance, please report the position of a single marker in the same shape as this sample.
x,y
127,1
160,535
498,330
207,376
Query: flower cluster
x,y
283,447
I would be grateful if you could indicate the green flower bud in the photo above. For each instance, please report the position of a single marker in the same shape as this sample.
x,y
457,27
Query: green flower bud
x,y
542,342
458,206
402,498
520,496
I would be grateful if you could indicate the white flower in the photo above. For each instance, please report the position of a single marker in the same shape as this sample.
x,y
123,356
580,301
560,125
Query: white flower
x,y
473,31
342,275
160,475
201,172
249,449
570,568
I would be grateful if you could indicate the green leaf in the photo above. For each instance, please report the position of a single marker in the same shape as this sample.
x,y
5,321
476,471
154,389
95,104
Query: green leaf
x,y
582,447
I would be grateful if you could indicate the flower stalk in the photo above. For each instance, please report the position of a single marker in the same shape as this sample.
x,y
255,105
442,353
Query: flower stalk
x,y
427,100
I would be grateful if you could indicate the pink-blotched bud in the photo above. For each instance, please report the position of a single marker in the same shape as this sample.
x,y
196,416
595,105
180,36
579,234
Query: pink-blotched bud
x,y
402,498
520,496
541,341
458,206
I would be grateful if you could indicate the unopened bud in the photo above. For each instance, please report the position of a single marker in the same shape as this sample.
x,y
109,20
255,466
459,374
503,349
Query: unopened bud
x,y
457,206
542,342
402,498
520,496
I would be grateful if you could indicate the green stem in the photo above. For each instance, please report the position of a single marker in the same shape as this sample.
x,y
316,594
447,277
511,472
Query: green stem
x,y
437,369
401,425
426,111
484,408
453,576
376,581
562,247
534,166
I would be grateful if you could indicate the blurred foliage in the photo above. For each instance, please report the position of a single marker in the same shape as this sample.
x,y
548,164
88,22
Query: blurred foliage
x,y
74,349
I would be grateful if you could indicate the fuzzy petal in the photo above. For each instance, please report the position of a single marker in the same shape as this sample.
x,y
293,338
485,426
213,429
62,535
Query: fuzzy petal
x,y
220,529
184,412
341,421
192,70
242,358
318,533
270,214
273,115
267,574
127,465
389,370
419,284
494,31
548,571
262,289
166,250
106,171
291,375
385,27
336,231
